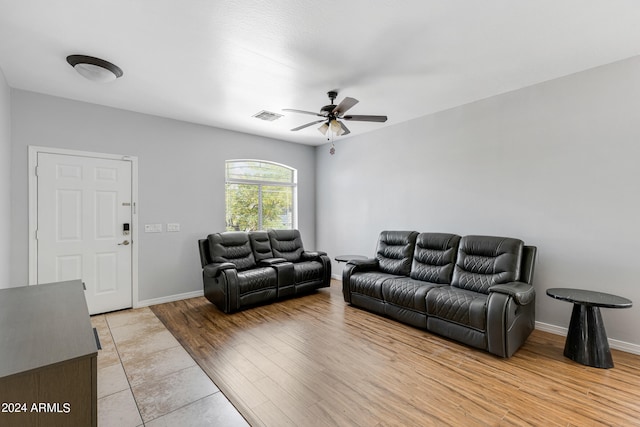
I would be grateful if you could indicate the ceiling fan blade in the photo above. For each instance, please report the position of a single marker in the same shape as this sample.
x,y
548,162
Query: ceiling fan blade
x,y
344,106
344,128
363,118
292,110
307,125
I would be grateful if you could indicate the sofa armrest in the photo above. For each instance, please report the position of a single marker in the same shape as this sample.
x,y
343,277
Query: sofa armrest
x,y
355,266
522,293
212,270
312,255
367,264
271,261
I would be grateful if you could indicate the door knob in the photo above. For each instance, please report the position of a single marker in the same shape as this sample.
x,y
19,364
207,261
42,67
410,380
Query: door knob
x,y
126,242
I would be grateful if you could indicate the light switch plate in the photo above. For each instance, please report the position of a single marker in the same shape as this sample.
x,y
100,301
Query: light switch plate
x,y
153,228
173,226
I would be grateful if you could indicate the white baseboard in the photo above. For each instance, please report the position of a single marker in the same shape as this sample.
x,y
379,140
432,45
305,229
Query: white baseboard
x,y
336,276
546,327
615,344
170,298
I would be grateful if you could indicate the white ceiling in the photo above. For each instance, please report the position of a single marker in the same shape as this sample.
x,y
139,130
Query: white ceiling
x,y
218,62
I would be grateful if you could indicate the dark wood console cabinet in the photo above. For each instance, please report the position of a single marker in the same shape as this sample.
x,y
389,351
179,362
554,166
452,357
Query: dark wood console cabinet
x,y
48,357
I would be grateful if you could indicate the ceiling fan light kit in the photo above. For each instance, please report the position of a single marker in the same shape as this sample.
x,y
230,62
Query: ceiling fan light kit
x,y
95,69
333,114
323,128
336,128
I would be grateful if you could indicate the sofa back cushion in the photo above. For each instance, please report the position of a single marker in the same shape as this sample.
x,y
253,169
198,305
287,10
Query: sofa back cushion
x,y
434,257
233,247
395,251
261,245
484,261
286,244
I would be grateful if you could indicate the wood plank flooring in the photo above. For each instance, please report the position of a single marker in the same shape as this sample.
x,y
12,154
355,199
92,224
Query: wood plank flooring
x,y
315,361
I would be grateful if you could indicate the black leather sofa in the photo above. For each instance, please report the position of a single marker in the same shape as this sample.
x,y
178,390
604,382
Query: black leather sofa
x,y
241,269
473,289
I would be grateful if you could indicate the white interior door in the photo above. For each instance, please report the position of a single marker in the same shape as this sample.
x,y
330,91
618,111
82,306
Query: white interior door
x,y
83,206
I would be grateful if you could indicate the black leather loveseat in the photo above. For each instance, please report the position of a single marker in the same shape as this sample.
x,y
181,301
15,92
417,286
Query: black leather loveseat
x,y
474,289
241,269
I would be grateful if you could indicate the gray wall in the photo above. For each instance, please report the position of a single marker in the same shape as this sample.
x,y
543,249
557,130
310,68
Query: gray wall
x,y
5,181
554,164
181,179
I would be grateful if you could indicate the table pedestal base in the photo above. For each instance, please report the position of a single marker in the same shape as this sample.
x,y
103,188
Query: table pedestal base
x,y
587,339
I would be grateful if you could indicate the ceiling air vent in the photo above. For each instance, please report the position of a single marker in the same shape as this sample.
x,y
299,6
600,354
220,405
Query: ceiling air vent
x,y
267,115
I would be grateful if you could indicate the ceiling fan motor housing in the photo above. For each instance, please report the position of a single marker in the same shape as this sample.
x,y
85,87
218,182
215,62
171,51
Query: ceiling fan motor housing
x,y
328,108
332,94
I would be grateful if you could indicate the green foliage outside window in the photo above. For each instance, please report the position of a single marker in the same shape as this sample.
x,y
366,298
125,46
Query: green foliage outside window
x,y
259,195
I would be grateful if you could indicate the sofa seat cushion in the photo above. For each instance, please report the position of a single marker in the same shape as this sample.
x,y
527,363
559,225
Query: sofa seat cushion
x,y
459,306
307,271
407,293
369,283
256,279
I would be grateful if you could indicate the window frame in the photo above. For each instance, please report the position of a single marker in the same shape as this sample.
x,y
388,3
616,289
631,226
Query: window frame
x,y
260,184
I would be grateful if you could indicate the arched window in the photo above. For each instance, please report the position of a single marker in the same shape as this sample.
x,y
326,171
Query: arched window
x,y
260,195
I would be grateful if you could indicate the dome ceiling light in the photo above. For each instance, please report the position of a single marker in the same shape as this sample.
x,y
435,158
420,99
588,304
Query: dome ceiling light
x,y
94,69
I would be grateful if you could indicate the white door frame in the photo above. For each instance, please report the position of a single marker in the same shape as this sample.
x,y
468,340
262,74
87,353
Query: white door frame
x,y
33,209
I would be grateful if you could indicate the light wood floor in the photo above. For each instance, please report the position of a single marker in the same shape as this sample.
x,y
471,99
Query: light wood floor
x,y
315,361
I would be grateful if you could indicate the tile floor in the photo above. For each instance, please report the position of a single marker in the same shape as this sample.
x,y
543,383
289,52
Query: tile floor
x,y
146,378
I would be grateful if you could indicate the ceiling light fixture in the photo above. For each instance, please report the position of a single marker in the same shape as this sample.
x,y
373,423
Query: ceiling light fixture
x,y
323,128
94,69
333,116
333,125
336,127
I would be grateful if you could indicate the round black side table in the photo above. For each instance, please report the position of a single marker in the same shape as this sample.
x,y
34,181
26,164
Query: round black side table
x,y
586,338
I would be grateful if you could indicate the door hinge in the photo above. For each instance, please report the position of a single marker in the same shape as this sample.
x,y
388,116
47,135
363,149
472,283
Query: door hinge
x,y
36,234
134,207
37,167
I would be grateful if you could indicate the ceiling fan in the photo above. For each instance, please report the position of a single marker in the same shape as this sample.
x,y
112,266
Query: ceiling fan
x,y
332,116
